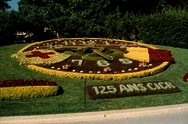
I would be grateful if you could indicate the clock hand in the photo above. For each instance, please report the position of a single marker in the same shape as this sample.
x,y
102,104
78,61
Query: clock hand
x,y
98,52
94,47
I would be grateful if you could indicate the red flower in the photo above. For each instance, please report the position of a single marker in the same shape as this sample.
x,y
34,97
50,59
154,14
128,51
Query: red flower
x,y
107,69
39,54
143,64
158,55
23,82
66,67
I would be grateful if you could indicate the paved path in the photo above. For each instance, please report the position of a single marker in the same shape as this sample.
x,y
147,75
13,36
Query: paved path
x,y
173,114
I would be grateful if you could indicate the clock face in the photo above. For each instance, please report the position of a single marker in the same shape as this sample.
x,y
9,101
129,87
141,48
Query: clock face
x,y
91,57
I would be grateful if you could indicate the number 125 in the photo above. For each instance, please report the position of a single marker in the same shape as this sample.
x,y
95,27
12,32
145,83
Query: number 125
x,y
109,89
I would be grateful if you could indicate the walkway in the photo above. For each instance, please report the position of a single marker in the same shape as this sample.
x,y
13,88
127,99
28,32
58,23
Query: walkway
x,y
173,114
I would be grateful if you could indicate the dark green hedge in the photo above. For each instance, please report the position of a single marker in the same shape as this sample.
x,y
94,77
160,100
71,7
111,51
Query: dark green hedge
x,y
169,28
148,20
112,26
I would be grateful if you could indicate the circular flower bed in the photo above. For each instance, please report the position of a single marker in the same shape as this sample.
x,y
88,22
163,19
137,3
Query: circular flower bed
x,y
107,59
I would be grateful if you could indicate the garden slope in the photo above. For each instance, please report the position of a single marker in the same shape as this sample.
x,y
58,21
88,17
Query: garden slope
x,y
74,100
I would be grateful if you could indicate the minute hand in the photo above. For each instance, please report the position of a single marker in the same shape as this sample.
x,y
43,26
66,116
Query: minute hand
x,y
98,52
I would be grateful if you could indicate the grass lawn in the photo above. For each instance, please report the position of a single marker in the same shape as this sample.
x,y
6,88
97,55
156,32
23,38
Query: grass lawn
x,y
74,100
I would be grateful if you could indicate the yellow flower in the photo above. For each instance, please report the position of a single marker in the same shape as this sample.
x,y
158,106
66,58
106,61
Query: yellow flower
x,y
27,92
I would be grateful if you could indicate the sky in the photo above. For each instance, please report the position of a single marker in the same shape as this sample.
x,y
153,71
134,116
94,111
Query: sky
x,y
13,4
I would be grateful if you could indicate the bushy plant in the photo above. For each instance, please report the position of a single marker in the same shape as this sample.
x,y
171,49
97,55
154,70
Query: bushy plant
x,y
7,28
27,92
27,89
169,28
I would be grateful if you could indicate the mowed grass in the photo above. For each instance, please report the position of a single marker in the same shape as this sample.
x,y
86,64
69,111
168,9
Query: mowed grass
x,y
74,99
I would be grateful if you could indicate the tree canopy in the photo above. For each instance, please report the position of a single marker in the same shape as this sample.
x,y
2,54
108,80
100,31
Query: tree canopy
x,y
81,18
4,5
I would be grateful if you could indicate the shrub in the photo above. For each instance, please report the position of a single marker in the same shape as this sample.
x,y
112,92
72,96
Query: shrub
x,y
185,77
123,26
169,28
27,89
27,92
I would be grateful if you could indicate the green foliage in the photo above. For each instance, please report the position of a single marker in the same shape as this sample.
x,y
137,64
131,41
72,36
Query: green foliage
x,y
177,3
169,28
78,18
4,5
123,19
7,26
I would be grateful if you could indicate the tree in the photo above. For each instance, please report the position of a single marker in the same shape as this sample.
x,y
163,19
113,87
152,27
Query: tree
x,y
8,26
86,18
4,5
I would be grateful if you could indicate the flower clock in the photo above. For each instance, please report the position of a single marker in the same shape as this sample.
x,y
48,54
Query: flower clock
x,y
94,58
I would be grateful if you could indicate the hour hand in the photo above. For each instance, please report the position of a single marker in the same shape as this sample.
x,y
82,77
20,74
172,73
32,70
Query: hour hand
x,y
98,52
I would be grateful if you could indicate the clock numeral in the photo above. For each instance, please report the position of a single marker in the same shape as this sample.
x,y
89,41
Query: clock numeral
x,y
66,43
80,61
73,43
125,61
103,63
83,42
106,42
